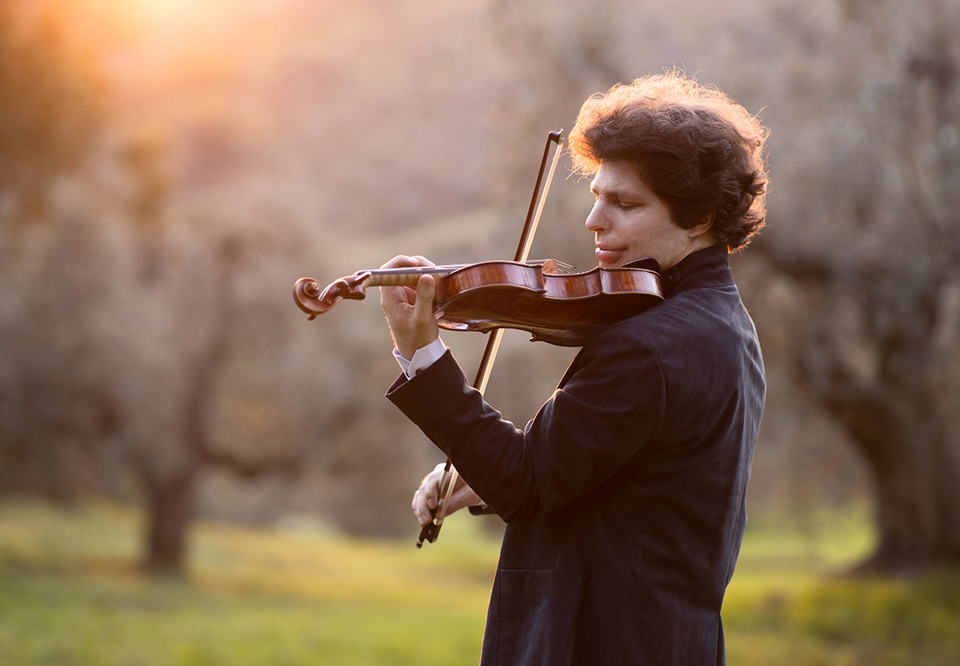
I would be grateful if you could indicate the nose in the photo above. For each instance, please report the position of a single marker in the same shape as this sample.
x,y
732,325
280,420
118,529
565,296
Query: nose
x,y
595,220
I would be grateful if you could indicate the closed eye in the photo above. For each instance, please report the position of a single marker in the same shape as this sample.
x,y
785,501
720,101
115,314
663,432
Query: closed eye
x,y
616,200
626,204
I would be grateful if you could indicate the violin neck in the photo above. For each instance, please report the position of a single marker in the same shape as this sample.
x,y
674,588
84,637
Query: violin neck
x,y
404,277
407,277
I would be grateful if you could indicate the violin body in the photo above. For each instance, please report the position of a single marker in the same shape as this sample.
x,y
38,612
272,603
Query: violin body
x,y
558,308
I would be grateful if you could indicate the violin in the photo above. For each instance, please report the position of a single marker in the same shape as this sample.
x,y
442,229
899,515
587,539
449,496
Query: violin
x,y
564,309
561,308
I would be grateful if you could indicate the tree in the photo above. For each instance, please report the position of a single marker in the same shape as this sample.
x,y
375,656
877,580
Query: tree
x,y
51,102
174,337
51,105
863,99
117,325
867,192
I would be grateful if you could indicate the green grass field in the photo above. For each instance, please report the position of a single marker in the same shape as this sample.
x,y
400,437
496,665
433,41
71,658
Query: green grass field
x,y
70,594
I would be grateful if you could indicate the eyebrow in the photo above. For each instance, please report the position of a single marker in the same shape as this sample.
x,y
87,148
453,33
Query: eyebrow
x,y
620,195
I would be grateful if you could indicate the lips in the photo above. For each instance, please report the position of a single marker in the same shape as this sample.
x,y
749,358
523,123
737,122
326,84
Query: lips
x,y
608,256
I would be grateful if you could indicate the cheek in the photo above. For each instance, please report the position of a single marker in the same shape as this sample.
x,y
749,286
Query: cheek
x,y
644,233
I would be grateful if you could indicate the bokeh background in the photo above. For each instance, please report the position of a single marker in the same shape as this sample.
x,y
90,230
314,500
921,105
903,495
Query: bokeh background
x,y
169,168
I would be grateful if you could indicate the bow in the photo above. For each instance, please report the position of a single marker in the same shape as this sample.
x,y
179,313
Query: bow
x,y
431,530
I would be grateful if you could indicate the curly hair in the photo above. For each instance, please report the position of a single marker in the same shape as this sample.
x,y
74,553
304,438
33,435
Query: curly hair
x,y
695,147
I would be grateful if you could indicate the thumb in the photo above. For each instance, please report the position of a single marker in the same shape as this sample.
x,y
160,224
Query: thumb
x,y
426,290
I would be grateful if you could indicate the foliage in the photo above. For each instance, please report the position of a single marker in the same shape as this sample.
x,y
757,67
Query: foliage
x,y
302,595
51,104
873,255
319,138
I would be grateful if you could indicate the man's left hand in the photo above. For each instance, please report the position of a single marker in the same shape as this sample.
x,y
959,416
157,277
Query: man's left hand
x,y
410,311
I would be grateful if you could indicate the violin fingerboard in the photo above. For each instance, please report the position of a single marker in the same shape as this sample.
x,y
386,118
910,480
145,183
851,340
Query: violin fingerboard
x,y
393,279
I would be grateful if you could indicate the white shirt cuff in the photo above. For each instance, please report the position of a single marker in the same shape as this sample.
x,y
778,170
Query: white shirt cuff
x,y
422,359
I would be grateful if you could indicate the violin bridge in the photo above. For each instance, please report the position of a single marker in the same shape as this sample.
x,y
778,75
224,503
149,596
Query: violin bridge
x,y
554,267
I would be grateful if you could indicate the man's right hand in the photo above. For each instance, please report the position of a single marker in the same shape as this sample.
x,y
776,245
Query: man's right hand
x,y
427,496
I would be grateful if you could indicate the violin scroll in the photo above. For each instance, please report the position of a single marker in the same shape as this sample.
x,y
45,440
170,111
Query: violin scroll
x,y
313,301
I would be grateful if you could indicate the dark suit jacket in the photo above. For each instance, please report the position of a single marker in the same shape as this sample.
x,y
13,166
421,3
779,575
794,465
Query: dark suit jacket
x,y
624,496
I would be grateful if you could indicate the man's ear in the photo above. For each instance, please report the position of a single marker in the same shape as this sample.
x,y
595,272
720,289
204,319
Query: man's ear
x,y
702,227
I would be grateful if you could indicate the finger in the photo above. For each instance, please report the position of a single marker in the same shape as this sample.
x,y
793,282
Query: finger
x,y
425,497
405,261
402,261
420,511
423,261
420,506
431,491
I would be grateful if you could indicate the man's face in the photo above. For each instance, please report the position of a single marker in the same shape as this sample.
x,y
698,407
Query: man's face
x,y
630,222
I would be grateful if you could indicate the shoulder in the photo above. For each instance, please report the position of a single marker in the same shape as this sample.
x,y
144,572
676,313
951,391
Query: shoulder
x,y
693,324
620,356
680,316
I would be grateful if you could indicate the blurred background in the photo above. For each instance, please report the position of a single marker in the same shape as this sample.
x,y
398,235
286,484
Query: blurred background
x,y
169,168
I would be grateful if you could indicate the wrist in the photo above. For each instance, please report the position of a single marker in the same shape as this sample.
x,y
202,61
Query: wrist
x,y
409,349
421,359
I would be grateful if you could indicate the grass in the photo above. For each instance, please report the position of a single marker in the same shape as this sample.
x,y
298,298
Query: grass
x,y
70,594
790,604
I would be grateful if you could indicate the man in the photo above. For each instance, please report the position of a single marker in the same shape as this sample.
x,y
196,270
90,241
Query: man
x,y
624,496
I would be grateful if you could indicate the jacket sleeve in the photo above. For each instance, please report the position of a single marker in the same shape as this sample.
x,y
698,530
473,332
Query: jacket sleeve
x,y
609,406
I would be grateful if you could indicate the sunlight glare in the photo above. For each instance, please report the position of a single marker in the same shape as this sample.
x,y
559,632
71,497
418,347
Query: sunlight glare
x,y
165,9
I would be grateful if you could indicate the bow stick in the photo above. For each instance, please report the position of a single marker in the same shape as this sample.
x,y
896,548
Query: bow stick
x,y
431,530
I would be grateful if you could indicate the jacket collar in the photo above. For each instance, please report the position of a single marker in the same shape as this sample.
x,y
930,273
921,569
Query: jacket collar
x,y
702,268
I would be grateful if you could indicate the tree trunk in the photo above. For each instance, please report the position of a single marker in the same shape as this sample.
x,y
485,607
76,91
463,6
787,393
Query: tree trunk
x,y
916,480
170,491
169,504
